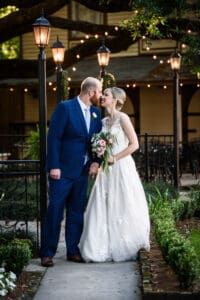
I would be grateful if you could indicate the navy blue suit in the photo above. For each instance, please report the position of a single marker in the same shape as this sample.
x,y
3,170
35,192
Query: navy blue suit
x,y
67,144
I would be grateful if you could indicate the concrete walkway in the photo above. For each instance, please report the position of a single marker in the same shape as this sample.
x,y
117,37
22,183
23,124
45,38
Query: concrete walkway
x,y
87,281
92,281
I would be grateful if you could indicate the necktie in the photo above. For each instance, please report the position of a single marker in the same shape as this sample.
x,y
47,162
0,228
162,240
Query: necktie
x,y
87,118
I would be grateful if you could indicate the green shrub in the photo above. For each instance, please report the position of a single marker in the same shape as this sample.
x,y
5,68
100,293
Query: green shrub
x,y
195,195
176,249
15,255
163,188
6,237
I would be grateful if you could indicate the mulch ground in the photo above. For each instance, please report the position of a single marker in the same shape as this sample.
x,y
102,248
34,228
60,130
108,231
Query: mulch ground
x,y
163,279
26,286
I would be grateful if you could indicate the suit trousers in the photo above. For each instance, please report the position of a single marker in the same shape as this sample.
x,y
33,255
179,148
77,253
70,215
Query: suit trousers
x,y
70,194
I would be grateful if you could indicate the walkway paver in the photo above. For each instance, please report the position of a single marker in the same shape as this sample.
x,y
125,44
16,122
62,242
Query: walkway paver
x,y
88,281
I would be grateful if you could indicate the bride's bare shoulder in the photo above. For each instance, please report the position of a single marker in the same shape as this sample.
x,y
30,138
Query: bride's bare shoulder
x,y
123,116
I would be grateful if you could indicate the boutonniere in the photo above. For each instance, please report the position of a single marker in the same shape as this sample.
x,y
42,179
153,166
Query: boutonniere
x,y
94,115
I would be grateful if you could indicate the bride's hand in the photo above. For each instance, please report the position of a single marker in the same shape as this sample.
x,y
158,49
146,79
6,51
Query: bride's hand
x,y
93,169
112,160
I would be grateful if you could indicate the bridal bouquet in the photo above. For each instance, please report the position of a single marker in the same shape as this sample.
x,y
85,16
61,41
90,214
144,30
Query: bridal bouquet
x,y
102,144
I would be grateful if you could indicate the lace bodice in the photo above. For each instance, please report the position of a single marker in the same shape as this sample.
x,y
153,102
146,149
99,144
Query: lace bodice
x,y
116,129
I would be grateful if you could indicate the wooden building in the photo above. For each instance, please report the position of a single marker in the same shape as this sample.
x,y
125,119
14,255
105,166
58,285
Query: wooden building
x,y
143,71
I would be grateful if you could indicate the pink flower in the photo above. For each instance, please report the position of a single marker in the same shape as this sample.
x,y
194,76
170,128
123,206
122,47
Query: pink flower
x,y
102,143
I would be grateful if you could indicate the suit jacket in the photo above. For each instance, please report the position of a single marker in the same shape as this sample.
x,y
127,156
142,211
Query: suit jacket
x,y
68,140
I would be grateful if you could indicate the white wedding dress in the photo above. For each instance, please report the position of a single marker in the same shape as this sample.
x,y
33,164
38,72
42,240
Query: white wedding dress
x,y
116,221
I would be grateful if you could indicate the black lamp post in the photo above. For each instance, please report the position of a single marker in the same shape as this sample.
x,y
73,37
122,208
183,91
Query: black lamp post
x,y
42,32
58,52
175,61
103,56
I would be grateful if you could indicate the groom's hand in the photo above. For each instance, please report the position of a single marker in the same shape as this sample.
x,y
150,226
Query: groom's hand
x,y
55,174
93,169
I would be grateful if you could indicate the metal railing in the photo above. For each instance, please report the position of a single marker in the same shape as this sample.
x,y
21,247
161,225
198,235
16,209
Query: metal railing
x,y
19,179
19,196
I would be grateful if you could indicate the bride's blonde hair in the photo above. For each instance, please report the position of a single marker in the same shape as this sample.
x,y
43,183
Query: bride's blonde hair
x,y
118,94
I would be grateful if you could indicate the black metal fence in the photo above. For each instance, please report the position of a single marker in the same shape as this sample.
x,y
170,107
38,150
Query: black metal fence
x,y
19,179
19,197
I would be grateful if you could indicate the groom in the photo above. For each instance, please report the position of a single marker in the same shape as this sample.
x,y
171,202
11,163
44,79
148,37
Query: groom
x,y
68,159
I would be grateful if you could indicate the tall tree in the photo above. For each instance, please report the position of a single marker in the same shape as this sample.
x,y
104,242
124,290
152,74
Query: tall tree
x,y
154,19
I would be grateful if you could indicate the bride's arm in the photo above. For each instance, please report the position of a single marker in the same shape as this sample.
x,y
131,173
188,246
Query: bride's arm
x,y
131,135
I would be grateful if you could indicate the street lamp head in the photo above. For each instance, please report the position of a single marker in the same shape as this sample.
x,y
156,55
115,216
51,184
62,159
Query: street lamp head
x,y
41,32
58,52
103,55
175,61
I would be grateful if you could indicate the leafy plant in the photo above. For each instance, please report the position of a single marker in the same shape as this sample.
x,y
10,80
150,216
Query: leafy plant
x,y
108,80
64,85
15,255
6,237
33,143
7,282
177,250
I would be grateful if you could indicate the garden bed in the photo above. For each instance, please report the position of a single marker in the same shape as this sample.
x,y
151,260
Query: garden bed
x,y
26,286
158,279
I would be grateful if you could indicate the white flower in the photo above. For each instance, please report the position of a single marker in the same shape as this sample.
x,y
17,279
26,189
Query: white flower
x,y
6,281
3,292
12,275
94,115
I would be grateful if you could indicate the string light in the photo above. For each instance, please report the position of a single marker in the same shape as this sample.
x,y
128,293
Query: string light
x,y
116,28
181,84
25,90
106,33
74,69
189,31
11,89
82,41
154,57
161,61
77,56
134,85
128,85
50,83
164,87
87,36
198,85
96,36
148,85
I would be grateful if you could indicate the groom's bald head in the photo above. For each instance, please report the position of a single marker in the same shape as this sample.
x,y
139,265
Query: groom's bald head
x,y
90,83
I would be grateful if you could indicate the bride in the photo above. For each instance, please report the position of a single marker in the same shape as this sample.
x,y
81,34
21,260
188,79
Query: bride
x,y
116,220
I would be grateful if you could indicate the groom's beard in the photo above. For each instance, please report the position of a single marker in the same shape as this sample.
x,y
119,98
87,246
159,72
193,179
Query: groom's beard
x,y
95,100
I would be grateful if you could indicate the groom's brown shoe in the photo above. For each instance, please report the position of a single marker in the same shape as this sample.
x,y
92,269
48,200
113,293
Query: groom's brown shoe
x,y
47,261
75,258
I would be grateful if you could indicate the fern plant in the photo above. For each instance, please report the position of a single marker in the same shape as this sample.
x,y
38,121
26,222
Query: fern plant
x,y
33,143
